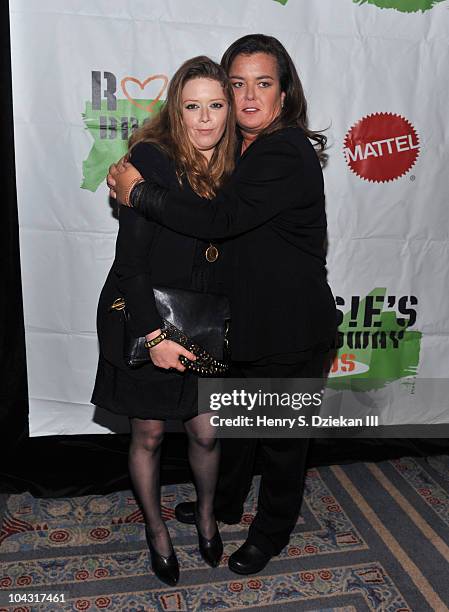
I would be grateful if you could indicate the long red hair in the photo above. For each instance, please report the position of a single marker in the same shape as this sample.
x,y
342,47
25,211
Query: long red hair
x,y
167,130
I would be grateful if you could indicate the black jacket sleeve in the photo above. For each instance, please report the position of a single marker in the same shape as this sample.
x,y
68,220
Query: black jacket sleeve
x,y
272,177
134,240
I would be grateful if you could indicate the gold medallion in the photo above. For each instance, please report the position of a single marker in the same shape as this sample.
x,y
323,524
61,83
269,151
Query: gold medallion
x,y
211,253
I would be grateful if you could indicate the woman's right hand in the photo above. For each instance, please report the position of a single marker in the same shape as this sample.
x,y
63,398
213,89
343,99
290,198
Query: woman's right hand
x,y
114,170
166,354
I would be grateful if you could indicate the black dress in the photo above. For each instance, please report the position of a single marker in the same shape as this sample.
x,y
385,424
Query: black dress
x,y
148,255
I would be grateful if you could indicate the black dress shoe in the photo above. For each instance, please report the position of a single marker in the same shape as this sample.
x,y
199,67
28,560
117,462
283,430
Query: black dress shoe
x,y
165,568
185,513
248,559
211,550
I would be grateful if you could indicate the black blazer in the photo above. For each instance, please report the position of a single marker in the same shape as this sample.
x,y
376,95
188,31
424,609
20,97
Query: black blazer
x,y
274,208
148,255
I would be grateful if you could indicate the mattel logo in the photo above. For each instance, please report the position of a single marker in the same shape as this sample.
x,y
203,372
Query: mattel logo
x,y
381,147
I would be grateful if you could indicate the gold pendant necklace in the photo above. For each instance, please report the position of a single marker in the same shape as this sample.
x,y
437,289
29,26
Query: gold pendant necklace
x,y
211,253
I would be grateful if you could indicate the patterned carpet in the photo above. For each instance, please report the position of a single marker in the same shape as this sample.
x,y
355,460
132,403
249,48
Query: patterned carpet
x,y
371,537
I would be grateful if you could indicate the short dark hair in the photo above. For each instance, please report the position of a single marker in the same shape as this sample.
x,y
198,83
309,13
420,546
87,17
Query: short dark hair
x,y
294,111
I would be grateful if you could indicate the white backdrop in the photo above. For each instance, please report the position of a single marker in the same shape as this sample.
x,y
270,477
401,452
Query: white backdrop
x,y
82,66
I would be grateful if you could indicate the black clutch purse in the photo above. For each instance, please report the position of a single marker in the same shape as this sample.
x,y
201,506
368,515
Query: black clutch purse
x,y
198,321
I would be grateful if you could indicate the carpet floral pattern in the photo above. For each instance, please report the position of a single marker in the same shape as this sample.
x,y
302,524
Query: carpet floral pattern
x,y
370,537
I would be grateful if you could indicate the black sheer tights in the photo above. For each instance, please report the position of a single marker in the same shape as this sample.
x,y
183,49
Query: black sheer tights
x,y
143,463
144,468
204,458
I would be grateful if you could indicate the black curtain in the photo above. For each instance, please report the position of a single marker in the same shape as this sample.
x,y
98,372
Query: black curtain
x,y
85,464
13,390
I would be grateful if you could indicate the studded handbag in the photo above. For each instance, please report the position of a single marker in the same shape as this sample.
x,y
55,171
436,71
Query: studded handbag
x,y
198,321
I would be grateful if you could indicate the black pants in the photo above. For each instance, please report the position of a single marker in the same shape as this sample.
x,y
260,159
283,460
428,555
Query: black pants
x,y
283,461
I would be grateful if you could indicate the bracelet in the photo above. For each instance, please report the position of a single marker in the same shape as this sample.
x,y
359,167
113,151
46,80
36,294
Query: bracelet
x,y
155,341
135,182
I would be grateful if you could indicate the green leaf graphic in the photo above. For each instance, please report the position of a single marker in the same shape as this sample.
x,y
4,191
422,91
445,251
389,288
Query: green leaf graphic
x,y
110,131
405,6
385,363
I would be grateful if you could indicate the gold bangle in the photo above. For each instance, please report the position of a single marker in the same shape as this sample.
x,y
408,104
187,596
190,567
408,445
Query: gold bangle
x,y
155,341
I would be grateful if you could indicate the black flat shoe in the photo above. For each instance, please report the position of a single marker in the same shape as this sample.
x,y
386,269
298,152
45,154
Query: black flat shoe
x,y
211,550
165,568
248,559
185,513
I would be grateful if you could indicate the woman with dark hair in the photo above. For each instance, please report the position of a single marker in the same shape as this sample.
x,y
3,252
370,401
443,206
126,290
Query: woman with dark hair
x,y
293,112
283,312
190,147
